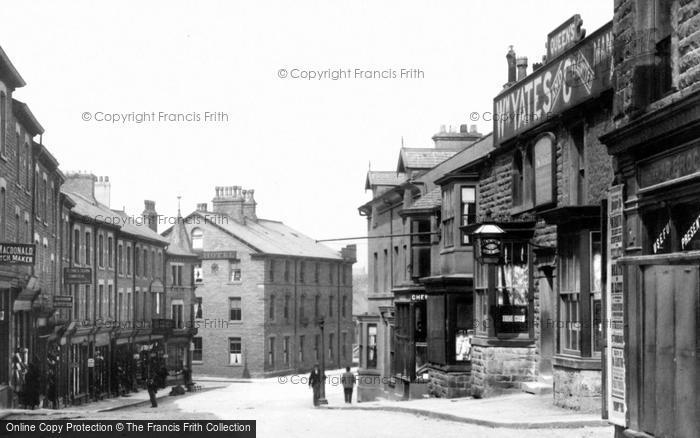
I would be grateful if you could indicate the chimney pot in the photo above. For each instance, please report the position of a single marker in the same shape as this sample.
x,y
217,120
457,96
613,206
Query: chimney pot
x,y
473,130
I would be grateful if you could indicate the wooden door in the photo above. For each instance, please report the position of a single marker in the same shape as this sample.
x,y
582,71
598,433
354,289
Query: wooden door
x,y
668,381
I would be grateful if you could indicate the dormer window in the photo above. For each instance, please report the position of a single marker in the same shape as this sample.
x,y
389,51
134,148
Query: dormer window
x,y
197,238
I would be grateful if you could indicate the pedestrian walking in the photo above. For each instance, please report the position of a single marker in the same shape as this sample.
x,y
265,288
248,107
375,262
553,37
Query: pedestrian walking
x,y
152,389
315,382
348,380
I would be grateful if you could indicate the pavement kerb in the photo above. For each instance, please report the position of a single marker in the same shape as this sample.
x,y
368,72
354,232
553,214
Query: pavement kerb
x,y
574,424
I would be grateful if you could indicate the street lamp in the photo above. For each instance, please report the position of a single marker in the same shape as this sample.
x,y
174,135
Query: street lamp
x,y
322,400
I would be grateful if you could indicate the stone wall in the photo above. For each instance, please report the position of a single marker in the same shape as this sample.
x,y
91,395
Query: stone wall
x,y
499,369
580,390
449,384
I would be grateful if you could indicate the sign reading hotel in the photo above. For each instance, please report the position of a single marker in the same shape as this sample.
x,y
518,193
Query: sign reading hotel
x,y
17,253
615,312
580,72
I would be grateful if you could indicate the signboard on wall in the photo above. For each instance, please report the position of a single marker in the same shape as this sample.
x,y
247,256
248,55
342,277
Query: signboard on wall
x,y
565,36
77,275
580,73
17,253
615,312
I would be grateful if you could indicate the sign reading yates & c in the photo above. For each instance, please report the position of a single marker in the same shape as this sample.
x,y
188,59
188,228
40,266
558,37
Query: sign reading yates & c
x,y
580,73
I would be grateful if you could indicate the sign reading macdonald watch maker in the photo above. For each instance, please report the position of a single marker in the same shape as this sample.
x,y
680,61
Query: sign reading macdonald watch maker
x,y
17,253
580,73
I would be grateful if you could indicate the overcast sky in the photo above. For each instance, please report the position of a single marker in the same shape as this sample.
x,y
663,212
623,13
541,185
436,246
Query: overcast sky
x,y
303,145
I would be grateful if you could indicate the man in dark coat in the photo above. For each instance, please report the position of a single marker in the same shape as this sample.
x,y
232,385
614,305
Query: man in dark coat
x,y
348,380
315,382
152,389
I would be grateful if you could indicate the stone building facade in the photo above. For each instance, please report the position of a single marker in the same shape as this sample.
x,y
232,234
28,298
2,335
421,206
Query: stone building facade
x,y
261,288
653,342
543,187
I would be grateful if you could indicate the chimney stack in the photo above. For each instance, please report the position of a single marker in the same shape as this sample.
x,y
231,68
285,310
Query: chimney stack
x,y
82,183
249,205
510,58
202,207
521,64
103,189
149,215
228,200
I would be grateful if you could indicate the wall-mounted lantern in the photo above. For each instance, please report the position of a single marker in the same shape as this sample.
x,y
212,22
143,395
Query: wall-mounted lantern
x,y
488,239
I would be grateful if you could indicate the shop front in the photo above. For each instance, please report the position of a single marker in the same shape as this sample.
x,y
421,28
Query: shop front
x,y
503,347
410,342
653,274
450,317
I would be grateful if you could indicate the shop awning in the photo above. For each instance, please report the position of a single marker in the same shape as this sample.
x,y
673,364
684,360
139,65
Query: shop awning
x,y
24,300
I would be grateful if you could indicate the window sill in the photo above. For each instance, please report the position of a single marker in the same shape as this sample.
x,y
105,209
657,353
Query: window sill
x,y
518,342
235,365
197,362
577,362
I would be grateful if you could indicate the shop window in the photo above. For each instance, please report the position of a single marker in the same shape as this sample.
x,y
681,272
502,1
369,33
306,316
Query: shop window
x,y
234,305
468,211
448,216
197,349
580,310
464,329
235,354
197,238
372,346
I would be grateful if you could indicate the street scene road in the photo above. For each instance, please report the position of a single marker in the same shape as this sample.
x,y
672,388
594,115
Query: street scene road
x,y
284,408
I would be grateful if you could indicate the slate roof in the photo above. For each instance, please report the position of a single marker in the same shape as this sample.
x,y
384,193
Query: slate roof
x,y
178,240
428,201
384,178
423,158
269,237
100,213
138,228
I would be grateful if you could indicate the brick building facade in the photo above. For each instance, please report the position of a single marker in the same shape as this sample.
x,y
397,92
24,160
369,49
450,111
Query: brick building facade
x,y
260,289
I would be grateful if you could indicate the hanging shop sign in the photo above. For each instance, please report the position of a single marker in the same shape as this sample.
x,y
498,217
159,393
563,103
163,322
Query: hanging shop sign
x,y
578,74
77,275
17,253
615,312
91,362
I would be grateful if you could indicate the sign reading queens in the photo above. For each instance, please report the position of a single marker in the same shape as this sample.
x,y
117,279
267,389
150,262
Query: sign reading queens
x,y
580,73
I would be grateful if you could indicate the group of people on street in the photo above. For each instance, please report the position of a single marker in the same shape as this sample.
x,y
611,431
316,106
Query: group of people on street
x,y
316,380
